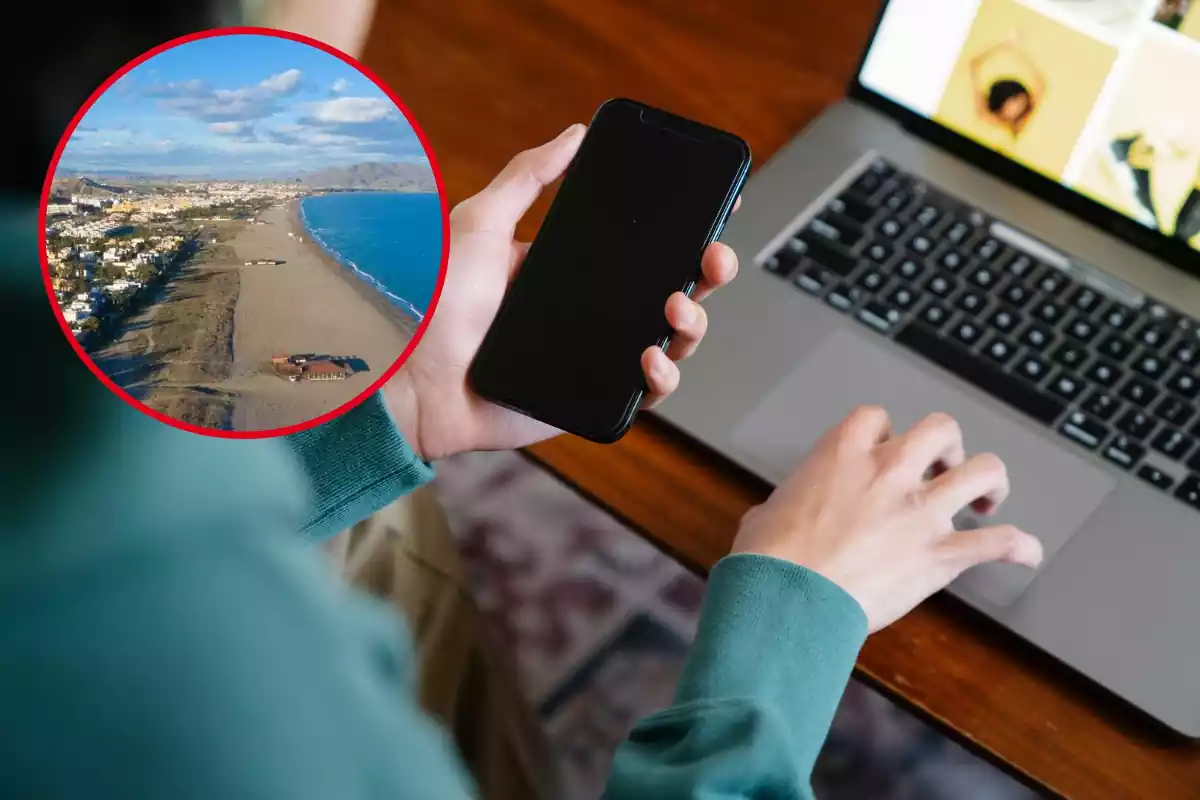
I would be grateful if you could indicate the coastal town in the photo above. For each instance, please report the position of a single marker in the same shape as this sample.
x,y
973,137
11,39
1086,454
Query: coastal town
x,y
108,246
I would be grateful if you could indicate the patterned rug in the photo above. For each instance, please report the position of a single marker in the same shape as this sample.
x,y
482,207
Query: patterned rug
x,y
600,623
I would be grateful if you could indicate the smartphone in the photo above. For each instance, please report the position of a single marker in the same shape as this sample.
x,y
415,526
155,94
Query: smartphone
x,y
647,192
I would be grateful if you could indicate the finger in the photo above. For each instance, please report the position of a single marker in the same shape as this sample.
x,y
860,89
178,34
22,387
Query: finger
x,y
718,266
662,376
689,321
980,482
864,428
935,443
519,251
502,203
1007,543
737,204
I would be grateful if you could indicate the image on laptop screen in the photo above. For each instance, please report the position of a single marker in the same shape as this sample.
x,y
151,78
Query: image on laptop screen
x,y
1099,95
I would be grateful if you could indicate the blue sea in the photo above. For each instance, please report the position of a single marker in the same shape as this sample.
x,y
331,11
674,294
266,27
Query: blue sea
x,y
392,241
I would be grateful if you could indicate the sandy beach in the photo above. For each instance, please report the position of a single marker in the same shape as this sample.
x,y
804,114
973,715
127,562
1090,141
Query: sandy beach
x,y
201,353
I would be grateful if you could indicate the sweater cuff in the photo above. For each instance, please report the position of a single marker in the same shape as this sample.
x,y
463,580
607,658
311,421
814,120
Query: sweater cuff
x,y
775,632
356,465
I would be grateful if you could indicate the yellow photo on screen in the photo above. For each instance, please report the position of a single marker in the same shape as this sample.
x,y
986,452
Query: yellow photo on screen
x,y
1146,160
1024,85
1191,23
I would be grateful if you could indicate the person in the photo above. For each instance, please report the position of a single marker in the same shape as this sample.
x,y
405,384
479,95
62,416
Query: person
x,y
1006,100
1172,12
1141,155
183,641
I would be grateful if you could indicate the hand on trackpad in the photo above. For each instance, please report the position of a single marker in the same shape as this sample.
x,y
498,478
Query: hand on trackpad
x,y
1053,491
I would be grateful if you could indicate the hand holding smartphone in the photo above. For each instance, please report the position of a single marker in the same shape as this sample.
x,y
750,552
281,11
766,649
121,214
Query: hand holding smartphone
x,y
647,192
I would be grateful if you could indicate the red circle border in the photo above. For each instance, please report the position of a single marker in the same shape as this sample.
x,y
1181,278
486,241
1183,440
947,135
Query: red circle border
x,y
328,415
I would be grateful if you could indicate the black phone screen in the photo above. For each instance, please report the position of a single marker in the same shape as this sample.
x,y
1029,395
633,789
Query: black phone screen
x,y
646,193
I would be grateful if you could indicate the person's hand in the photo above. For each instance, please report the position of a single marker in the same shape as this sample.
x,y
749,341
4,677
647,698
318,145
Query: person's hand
x,y
873,513
429,397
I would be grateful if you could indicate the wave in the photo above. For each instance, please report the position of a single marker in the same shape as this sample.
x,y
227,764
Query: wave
x,y
396,300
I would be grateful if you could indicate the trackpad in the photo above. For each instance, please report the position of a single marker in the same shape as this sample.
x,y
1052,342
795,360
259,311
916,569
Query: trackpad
x,y
1053,491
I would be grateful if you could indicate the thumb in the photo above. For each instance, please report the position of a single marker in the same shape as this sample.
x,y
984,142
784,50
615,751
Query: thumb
x,y
997,543
500,206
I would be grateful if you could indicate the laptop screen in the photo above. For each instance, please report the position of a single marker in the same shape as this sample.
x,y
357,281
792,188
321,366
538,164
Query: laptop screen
x,y
1099,95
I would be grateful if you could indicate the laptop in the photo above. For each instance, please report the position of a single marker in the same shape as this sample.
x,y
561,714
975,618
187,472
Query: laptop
x,y
1002,222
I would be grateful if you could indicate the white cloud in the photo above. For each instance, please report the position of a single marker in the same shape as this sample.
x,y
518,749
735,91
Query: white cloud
x,y
229,128
353,110
283,82
339,86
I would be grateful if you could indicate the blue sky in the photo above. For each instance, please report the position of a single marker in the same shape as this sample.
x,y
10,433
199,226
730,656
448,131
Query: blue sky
x,y
240,106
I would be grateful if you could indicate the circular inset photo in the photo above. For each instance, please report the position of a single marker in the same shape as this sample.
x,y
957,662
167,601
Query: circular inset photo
x,y
244,233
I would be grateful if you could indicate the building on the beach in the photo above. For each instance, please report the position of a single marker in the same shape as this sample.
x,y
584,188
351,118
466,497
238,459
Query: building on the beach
x,y
270,262
326,371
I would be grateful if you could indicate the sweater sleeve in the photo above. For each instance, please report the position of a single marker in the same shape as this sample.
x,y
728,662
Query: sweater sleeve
x,y
772,657
356,465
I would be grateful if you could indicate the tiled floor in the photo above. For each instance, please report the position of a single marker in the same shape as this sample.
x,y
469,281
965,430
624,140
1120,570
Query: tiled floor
x,y
600,623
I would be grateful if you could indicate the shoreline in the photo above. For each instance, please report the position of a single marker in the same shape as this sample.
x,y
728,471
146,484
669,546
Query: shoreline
x,y
394,312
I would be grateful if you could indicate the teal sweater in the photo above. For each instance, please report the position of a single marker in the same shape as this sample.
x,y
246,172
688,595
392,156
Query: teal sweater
x,y
166,633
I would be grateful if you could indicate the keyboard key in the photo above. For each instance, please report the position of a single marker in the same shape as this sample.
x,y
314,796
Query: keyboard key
x,y
928,216
1187,352
967,332
1070,355
952,261
1022,266
1124,452
1084,430
1185,383
814,279
840,230
910,270
1137,423
1194,463
1005,320
879,252
1175,411
1016,294
1173,443
879,316
959,231
1118,316
1086,300
949,355
872,180
890,228
902,298
827,255
941,286
1032,368
1053,282
1081,328
1048,312
989,249
898,200
1106,374
840,298
853,206
1161,314
1189,491
1116,347
972,302
1156,477
1153,335
1150,365
999,350
872,280
1066,386
934,314
983,277
1101,405
921,244
1139,392
1037,337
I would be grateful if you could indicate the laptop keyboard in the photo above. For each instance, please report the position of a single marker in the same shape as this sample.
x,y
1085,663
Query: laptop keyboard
x,y
930,272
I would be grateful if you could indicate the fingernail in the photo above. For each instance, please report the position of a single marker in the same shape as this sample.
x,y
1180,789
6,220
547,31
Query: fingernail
x,y
688,315
658,370
572,130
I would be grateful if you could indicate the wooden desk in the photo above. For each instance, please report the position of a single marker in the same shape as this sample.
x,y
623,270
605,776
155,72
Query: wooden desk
x,y
491,77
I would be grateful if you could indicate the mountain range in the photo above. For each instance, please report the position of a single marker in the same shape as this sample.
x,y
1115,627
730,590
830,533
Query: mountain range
x,y
394,177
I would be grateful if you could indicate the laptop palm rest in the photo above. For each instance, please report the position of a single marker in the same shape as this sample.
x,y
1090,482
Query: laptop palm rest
x,y
1054,491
